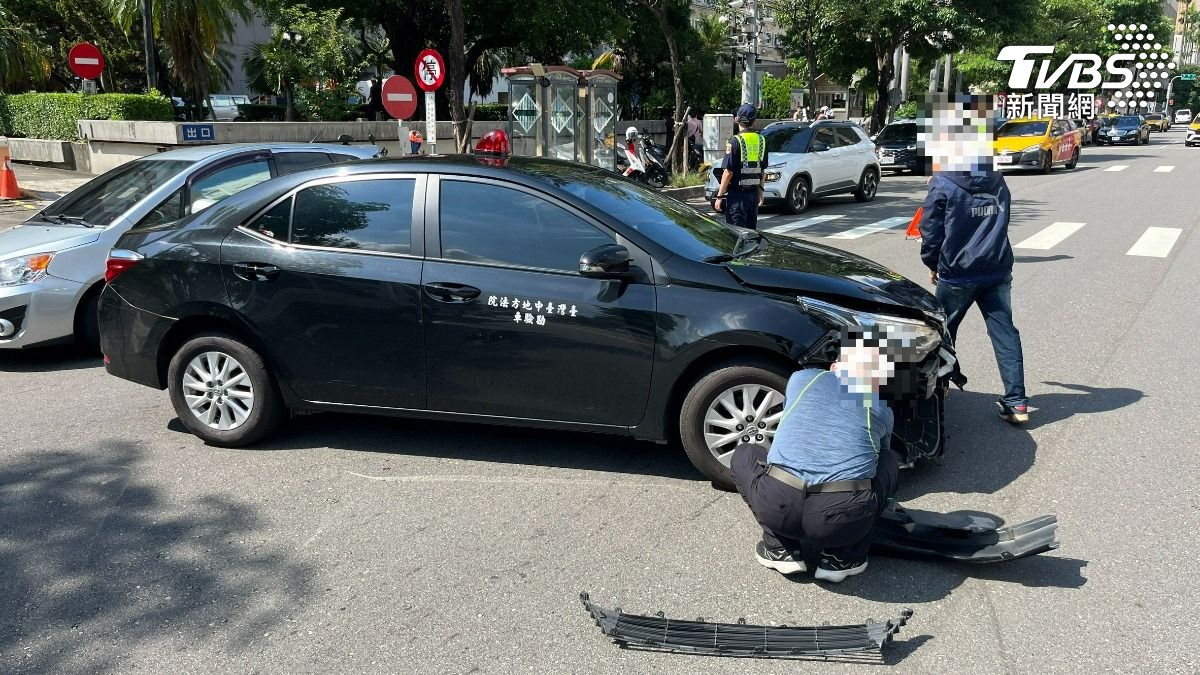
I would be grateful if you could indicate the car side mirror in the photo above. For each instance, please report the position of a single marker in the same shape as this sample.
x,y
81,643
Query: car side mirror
x,y
610,261
819,147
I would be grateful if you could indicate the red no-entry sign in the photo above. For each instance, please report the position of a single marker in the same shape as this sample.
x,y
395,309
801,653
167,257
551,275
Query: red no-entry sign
x,y
430,70
399,97
86,61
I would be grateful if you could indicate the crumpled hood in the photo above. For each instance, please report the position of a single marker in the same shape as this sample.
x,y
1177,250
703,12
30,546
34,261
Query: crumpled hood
x,y
39,237
788,264
987,181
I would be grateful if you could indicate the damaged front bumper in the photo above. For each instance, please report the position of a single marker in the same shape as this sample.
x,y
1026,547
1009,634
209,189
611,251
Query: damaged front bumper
x,y
741,639
974,538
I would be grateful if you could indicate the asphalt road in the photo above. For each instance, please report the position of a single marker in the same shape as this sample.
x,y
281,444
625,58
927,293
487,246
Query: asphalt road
x,y
375,545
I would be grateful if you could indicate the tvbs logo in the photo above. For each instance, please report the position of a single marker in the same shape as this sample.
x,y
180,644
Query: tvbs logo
x,y
1085,69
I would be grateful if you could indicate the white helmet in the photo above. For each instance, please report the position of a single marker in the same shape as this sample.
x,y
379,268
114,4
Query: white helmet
x,y
824,108
631,133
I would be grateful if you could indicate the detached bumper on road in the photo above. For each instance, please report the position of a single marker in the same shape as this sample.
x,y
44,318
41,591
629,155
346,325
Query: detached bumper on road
x,y
42,312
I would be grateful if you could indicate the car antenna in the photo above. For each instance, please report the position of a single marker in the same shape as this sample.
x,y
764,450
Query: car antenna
x,y
314,138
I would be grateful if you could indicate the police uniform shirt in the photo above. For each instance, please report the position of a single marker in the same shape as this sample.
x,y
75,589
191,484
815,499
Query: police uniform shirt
x,y
735,160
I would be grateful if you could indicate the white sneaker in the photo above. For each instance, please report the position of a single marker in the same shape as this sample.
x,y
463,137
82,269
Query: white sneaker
x,y
835,570
778,559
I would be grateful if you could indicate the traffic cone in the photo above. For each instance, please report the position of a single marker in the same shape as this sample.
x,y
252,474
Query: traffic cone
x,y
914,228
8,181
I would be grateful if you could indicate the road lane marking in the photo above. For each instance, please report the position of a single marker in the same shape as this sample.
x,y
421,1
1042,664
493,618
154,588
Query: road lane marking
x,y
1164,169
798,224
1051,236
1118,167
1155,242
863,230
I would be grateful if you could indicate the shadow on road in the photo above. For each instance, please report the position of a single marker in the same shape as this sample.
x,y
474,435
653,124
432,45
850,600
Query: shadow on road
x,y
481,443
94,560
1049,408
1043,258
48,359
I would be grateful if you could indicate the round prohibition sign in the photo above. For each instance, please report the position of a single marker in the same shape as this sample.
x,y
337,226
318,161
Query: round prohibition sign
x,y
430,70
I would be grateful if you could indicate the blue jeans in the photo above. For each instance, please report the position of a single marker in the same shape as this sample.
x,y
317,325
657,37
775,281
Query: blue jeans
x,y
995,303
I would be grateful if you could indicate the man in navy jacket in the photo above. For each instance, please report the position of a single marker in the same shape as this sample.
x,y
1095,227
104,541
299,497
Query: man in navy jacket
x,y
964,243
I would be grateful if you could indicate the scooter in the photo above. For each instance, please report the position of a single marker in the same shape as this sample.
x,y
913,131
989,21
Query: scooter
x,y
635,161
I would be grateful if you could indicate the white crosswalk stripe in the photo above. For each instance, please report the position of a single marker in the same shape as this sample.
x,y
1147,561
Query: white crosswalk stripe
x,y
1155,242
1117,167
1164,169
799,224
1050,236
863,230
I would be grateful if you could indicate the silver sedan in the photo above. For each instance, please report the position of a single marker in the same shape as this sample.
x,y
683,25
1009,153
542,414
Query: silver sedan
x,y
52,266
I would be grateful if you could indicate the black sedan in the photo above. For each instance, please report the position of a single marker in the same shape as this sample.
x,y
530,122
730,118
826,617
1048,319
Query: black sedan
x,y
525,292
1126,129
897,149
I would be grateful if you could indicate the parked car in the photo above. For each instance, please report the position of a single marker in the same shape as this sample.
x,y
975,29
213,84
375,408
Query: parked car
x,y
1037,143
1183,115
897,150
528,292
1087,130
52,266
813,159
1127,129
225,107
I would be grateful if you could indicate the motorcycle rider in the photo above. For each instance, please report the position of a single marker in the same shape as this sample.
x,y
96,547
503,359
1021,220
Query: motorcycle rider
x,y
741,190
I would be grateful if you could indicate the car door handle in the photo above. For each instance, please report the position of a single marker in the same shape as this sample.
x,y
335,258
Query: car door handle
x,y
444,292
255,271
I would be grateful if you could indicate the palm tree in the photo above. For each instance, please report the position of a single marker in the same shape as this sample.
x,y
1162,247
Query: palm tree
x,y
190,33
22,61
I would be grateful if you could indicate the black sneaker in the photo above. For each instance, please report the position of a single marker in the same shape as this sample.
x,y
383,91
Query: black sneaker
x,y
834,570
1014,414
778,559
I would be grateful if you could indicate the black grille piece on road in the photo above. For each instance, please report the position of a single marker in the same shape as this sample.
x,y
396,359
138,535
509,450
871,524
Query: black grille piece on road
x,y
741,639
974,538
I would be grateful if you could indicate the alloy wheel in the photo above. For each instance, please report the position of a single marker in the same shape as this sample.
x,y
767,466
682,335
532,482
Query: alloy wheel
x,y
870,185
218,390
744,413
799,195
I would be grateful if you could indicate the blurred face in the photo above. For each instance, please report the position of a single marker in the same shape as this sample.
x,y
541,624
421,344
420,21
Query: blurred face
x,y
956,132
862,369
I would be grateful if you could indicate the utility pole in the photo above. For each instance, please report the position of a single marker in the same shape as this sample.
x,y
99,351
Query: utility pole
x,y
748,10
148,37
904,68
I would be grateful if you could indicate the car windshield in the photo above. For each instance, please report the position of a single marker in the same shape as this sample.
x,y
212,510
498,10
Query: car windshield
x,y
898,133
1128,122
672,224
106,198
791,138
1154,117
1022,129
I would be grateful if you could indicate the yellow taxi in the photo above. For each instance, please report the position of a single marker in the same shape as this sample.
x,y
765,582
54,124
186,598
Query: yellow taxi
x,y
1193,132
1037,143
1158,121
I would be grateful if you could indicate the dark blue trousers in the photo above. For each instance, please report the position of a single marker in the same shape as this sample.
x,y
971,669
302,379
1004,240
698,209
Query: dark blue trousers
x,y
741,208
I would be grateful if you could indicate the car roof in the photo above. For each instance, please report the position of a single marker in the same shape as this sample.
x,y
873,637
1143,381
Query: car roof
x,y
204,152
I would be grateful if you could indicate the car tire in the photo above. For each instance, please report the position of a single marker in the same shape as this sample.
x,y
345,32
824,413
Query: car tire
x,y
1047,163
717,381
87,321
1074,159
266,409
868,186
798,195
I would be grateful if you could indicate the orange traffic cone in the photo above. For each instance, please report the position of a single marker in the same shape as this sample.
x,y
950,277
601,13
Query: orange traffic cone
x,y
914,228
8,181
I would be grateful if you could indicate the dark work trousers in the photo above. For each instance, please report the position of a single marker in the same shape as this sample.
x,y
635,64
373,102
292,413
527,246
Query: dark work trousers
x,y
809,523
741,208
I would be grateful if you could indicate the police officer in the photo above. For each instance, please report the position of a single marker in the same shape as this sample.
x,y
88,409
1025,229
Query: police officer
x,y
741,190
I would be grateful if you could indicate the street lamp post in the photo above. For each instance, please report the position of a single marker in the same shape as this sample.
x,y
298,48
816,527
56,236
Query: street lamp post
x,y
1170,84
748,10
148,42
292,39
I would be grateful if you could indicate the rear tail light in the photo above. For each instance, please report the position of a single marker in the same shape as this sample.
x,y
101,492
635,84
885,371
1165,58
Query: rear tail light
x,y
120,260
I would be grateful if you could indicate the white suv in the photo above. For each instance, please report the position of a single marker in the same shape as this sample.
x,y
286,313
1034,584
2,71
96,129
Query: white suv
x,y
813,159
1183,116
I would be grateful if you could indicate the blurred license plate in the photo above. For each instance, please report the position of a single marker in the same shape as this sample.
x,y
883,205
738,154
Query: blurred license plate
x,y
1004,159
887,159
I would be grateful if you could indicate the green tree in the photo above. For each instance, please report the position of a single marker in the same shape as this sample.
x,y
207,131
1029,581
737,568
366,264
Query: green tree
x,y
190,34
54,26
23,61
804,21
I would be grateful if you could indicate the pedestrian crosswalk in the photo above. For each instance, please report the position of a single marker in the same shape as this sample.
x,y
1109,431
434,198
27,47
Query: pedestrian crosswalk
x,y
1156,242
1049,237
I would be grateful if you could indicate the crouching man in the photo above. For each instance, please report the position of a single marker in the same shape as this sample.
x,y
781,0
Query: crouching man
x,y
830,470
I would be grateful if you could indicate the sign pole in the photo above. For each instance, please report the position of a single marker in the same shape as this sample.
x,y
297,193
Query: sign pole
x,y
431,122
148,32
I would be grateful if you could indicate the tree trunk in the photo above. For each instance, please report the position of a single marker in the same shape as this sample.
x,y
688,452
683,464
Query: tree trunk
x,y
883,65
660,13
456,75
810,56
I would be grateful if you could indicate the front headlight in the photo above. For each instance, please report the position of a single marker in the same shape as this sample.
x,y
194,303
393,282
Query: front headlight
x,y
912,147
908,339
1032,148
774,172
24,269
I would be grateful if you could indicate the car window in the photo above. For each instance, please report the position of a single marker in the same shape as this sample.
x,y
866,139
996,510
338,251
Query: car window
x,y
824,135
228,181
787,139
1022,129
1128,122
168,212
367,215
898,133
846,136
291,162
488,223
274,223
103,199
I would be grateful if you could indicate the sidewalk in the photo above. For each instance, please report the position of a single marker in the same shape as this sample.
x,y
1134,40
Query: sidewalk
x,y
46,184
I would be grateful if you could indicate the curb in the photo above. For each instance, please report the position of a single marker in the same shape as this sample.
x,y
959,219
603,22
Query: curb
x,y
684,193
